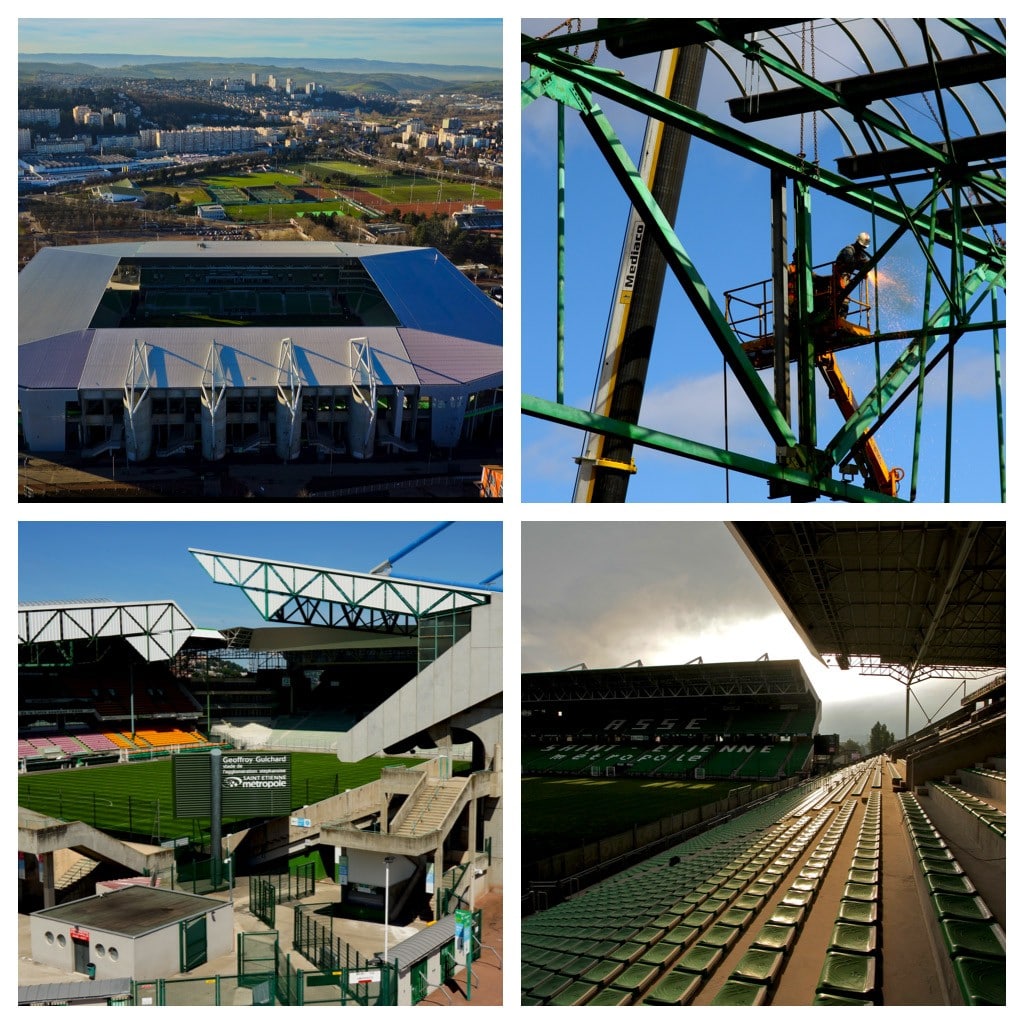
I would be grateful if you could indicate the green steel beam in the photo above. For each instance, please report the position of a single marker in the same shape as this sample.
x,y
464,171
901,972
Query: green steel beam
x,y
873,404
755,51
611,84
979,36
686,274
697,451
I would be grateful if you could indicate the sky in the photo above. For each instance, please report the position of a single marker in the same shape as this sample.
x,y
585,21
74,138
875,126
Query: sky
x,y
418,40
724,226
607,594
130,561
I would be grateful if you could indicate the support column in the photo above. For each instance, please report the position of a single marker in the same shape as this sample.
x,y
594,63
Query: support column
x,y
438,879
49,882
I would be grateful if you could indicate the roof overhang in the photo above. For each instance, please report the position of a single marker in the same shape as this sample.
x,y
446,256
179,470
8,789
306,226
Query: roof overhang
x,y
156,629
316,596
914,599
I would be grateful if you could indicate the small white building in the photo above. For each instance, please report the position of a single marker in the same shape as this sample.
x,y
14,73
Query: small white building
x,y
139,932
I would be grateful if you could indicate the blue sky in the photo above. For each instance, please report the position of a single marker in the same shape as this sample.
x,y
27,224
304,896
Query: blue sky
x,y
724,226
150,561
421,40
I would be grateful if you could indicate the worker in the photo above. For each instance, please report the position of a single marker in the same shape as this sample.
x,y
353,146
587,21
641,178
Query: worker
x,y
851,259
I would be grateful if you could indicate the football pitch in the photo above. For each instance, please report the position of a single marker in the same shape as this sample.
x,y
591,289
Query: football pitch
x,y
562,813
137,799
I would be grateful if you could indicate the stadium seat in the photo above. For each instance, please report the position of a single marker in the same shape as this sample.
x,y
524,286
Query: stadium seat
x,y
775,937
677,988
848,974
854,938
982,982
575,994
700,959
740,993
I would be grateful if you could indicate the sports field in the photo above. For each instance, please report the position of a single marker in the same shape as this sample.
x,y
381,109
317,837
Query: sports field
x,y
137,799
562,813
408,188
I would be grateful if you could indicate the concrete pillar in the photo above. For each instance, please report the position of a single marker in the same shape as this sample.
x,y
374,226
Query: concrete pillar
x,y
49,882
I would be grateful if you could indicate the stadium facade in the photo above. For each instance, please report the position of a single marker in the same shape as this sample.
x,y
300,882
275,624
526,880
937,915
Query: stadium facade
x,y
161,348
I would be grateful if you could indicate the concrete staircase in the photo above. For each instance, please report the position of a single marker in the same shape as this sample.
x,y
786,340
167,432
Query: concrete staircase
x,y
76,872
426,810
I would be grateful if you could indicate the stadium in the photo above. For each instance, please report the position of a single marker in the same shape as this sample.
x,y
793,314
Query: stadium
x,y
692,839
352,854
159,349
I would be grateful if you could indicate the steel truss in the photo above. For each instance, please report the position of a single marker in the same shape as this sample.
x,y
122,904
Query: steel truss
x,y
965,268
286,592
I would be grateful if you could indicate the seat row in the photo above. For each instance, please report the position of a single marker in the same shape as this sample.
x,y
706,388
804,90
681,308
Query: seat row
x,y
850,975
990,816
974,940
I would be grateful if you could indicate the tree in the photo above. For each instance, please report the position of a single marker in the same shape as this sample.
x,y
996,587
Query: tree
x,y
851,747
881,738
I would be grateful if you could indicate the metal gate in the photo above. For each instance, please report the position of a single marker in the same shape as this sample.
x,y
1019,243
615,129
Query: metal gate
x,y
418,978
193,943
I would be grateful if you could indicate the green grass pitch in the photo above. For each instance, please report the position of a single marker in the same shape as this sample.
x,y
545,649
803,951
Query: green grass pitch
x,y
137,798
562,813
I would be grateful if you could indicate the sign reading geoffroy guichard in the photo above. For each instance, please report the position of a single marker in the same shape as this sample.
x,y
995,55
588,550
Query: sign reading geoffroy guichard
x,y
252,784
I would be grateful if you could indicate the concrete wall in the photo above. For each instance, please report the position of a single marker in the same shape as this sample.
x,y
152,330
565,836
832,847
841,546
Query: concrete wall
x,y
42,418
469,673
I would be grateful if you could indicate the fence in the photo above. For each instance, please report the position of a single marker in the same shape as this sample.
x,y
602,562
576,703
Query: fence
x,y
204,876
220,990
266,891
358,979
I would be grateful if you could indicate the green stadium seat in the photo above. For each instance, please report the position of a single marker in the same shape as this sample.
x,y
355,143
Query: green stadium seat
x,y
748,901
648,936
854,938
973,939
797,897
603,972
982,982
682,935
865,863
575,995
628,952
861,877
635,978
713,906
790,915
967,908
677,988
856,891
602,949
740,993
698,919
848,974
532,976
700,959
857,912
666,921
550,986
761,966
736,917
611,997
720,935
661,954
775,937
954,885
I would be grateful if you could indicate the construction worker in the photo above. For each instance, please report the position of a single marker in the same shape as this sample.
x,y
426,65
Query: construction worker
x,y
851,258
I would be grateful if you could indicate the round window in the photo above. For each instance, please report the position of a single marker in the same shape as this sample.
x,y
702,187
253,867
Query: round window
x,y
62,941
113,953
101,950
49,937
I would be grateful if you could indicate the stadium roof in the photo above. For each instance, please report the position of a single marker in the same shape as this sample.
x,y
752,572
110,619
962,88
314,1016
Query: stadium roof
x,y
763,679
909,598
448,331
156,629
312,595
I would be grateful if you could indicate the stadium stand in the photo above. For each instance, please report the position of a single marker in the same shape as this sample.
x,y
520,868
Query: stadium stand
x,y
784,905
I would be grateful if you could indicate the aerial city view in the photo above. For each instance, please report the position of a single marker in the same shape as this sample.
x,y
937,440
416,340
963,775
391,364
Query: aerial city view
x,y
284,245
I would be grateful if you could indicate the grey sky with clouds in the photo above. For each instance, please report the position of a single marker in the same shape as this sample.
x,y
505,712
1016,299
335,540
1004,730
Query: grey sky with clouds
x,y
606,594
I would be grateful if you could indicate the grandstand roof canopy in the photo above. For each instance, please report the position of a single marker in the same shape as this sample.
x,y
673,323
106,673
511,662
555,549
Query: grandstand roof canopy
x,y
156,629
447,331
311,595
768,679
903,596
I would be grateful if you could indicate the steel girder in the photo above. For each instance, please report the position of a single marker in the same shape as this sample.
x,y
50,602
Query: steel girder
x,y
570,81
288,592
156,629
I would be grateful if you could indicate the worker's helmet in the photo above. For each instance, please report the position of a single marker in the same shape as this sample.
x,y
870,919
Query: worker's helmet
x,y
863,239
